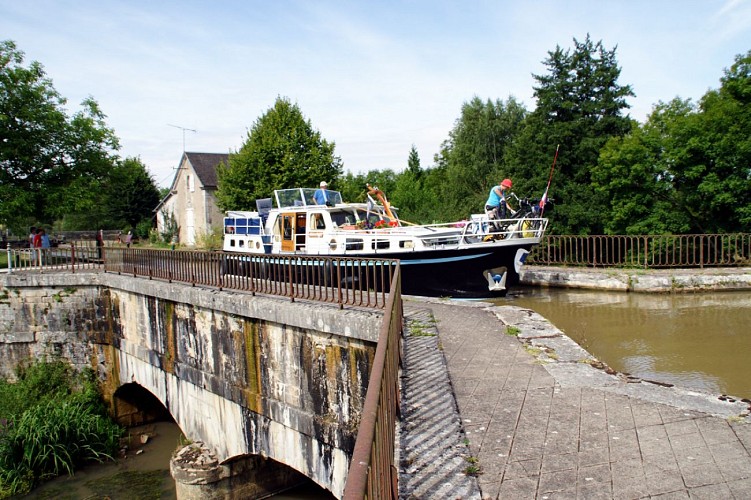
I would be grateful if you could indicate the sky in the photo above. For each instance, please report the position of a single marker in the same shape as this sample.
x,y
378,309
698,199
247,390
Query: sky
x,y
374,77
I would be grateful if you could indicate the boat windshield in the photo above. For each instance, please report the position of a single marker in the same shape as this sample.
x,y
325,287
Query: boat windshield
x,y
303,197
360,216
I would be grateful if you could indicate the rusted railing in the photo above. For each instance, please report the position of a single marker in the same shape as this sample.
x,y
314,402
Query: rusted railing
x,y
652,251
372,472
342,281
64,257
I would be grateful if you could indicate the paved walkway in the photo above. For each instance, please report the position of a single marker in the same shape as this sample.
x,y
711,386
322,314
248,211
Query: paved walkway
x,y
541,419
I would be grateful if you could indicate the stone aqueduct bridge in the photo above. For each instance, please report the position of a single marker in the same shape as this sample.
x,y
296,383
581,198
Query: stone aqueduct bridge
x,y
260,381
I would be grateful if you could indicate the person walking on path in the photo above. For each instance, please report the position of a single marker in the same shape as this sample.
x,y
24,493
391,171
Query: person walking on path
x,y
36,246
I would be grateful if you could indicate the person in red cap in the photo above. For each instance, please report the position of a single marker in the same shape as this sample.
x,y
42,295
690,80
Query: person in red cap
x,y
497,205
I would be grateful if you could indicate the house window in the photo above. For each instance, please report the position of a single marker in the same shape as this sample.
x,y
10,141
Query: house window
x,y
190,183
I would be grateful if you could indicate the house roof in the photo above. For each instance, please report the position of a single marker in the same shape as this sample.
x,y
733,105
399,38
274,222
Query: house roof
x,y
205,166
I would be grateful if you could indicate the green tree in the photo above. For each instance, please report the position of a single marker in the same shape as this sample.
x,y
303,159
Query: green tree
x,y
50,163
686,170
635,173
127,197
413,163
724,190
580,107
282,150
132,194
474,155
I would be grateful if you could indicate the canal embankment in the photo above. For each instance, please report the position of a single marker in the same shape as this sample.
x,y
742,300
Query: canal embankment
x,y
537,416
639,280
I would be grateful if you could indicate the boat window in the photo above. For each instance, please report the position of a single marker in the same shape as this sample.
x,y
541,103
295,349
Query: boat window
x,y
342,218
242,243
317,221
406,244
354,244
379,244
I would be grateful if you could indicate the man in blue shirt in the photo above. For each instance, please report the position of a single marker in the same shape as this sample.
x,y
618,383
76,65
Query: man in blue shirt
x,y
321,197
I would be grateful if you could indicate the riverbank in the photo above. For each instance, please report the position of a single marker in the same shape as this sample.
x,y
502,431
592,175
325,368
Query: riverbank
x,y
638,280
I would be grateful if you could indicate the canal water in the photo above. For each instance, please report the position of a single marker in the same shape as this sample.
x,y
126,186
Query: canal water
x,y
142,473
700,341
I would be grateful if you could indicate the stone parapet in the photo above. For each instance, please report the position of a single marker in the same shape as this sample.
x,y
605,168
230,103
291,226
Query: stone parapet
x,y
638,280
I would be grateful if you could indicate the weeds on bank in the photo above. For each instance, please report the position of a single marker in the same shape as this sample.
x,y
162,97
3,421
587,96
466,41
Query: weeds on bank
x,y
419,328
513,331
473,468
52,420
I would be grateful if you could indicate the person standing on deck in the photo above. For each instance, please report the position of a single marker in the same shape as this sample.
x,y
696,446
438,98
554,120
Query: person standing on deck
x,y
497,206
321,197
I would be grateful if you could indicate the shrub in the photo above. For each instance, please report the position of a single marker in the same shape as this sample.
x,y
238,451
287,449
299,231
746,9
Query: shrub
x,y
52,420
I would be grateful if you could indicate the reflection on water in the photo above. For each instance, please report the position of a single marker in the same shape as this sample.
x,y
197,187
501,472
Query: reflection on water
x,y
700,341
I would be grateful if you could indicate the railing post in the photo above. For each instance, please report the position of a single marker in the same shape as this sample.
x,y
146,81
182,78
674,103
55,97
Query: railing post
x,y
290,280
10,260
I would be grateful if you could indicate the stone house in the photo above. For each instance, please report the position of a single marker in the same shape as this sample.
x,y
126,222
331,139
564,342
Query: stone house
x,y
192,197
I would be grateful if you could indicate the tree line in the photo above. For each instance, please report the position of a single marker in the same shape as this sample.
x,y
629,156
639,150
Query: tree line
x,y
686,169
60,170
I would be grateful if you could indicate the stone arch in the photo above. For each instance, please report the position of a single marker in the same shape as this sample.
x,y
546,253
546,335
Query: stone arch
x,y
134,405
199,474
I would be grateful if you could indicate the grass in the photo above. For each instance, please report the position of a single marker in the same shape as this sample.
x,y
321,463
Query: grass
x,y
473,468
513,331
419,329
52,420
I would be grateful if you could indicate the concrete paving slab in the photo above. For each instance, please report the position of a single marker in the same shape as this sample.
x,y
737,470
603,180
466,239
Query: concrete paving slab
x,y
545,419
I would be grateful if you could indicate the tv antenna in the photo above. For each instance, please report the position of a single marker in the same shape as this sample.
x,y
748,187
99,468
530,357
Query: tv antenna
x,y
183,129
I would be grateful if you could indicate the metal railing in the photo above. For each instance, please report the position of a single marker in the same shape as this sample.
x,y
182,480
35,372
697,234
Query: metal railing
x,y
361,282
372,472
344,281
64,257
650,251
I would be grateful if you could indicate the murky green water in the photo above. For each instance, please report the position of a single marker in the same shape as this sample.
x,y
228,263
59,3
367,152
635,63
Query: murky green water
x,y
134,476
700,341
139,476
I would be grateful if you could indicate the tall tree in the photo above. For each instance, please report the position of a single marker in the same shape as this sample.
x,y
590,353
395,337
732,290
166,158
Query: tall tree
x,y
49,163
282,150
636,174
474,154
580,106
686,170
132,194
413,163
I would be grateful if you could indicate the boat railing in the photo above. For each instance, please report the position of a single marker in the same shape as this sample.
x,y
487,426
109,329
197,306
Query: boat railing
x,y
453,233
